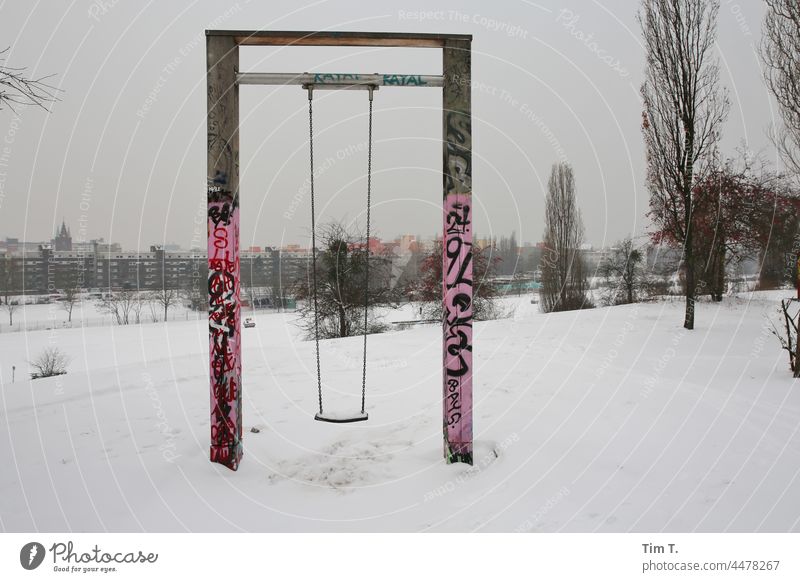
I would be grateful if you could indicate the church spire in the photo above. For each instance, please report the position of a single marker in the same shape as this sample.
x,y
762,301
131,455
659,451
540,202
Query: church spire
x,y
63,239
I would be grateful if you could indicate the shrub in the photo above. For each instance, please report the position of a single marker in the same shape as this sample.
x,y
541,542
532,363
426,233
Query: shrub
x,y
50,362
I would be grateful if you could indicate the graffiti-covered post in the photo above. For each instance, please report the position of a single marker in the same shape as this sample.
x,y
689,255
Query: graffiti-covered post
x,y
457,252
224,325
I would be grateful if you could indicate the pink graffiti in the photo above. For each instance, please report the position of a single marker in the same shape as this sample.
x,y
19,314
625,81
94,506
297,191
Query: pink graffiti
x,y
457,322
224,332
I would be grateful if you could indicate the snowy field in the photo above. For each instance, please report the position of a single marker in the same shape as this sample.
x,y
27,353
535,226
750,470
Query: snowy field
x,y
85,313
611,419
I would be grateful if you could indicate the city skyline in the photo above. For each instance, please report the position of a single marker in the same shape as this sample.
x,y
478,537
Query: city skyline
x,y
122,153
175,246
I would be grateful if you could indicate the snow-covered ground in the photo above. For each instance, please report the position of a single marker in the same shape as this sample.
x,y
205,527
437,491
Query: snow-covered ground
x,y
86,313
32,317
611,419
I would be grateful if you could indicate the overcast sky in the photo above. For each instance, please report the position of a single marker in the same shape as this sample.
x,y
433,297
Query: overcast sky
x,y
123,154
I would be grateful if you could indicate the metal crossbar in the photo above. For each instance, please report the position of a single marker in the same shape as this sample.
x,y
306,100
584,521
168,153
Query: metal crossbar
x,y
340,80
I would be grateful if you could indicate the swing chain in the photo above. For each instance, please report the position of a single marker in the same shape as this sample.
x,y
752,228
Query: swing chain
x,y
310,89
366,266
314,238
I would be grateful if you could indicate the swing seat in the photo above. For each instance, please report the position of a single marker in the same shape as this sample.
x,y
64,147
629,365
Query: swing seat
x,y
341,418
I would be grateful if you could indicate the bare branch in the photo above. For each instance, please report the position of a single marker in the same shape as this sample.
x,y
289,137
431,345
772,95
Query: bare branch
x,y
780,51
18,89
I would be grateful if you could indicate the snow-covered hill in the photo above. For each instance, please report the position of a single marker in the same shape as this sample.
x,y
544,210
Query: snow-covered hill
x,y
604,420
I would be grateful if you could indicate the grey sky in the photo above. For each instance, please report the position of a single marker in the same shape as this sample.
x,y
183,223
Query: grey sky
x,y
125,147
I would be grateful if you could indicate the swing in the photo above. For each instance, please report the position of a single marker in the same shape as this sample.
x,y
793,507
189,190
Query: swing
x,y
321,415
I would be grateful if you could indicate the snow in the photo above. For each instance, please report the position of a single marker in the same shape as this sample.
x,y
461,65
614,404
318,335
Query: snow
x,y
612,419
32,317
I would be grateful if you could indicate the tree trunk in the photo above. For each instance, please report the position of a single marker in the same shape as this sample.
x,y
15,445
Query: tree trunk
x,y
796,369
688,320
342,322
719,273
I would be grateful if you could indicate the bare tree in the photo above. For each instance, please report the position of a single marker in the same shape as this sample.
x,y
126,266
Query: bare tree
x,y
788,337
684,109
154,307
507,249
8,274
166,298
18,89
50,362
563,280
780,51
72,296
341,290
120,304
136,308
623,269
10,305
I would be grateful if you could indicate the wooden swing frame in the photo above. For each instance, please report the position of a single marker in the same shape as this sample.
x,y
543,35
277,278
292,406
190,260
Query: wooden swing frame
x,y
223,81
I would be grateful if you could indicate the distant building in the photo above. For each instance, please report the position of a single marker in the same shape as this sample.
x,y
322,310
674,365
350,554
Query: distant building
x,y
10,246
295,251
63,239
97,246
13,247
265,271
105,266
